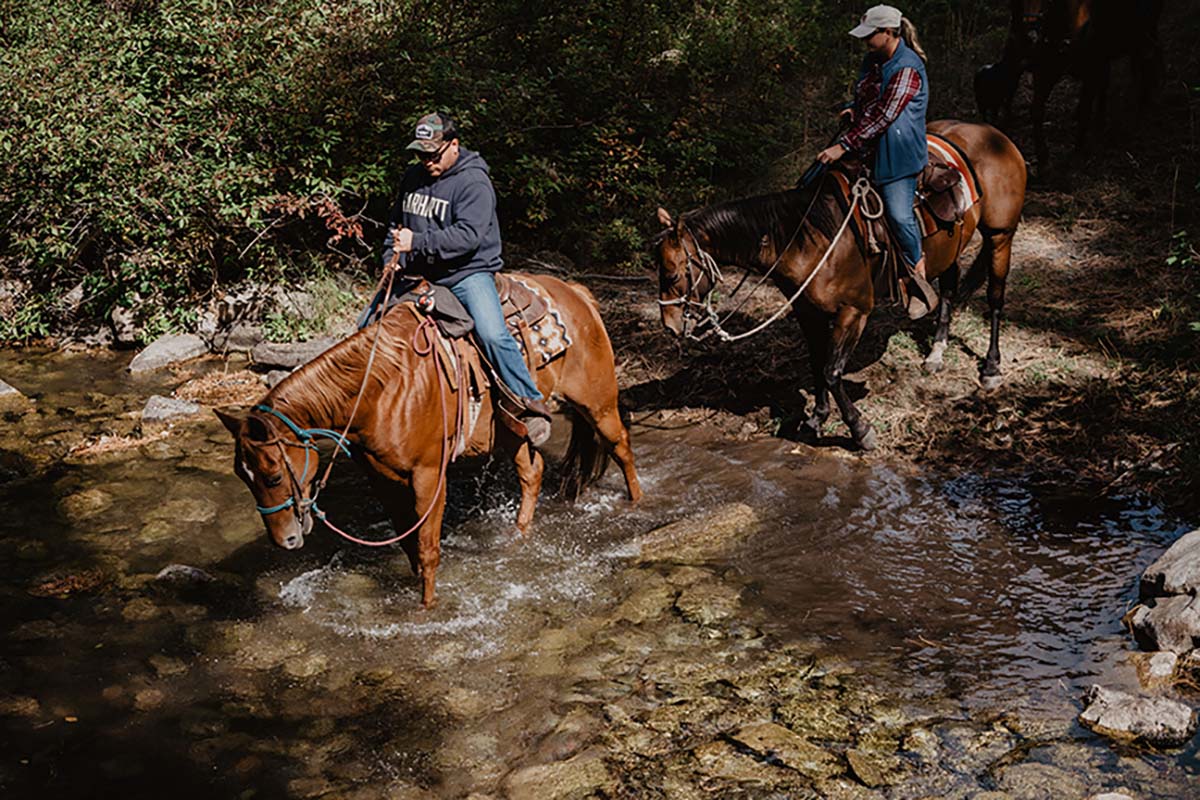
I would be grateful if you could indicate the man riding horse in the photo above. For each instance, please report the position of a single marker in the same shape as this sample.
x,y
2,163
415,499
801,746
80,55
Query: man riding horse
x,y
444,228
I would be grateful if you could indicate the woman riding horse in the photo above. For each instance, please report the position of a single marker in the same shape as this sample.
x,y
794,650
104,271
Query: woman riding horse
x,y
888,114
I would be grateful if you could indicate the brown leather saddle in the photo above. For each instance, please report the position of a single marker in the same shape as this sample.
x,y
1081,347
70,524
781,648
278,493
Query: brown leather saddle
x,y
947,189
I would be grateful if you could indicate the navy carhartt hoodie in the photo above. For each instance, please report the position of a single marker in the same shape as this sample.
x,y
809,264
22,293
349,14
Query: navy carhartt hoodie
x,y
453,220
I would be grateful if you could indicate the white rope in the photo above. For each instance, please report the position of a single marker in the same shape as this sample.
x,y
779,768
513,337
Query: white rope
x,y
861,189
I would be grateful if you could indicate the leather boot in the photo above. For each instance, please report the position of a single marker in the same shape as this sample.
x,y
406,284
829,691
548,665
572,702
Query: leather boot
x,y
922,297
537,421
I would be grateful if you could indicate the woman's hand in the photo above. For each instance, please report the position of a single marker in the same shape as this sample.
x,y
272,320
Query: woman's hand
x,y
831,154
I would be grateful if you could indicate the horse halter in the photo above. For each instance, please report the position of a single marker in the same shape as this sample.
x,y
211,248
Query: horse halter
x,y
701,262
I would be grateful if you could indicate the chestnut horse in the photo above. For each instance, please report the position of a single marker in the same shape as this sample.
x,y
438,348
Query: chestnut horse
x,y
1053,38
405,426
789,235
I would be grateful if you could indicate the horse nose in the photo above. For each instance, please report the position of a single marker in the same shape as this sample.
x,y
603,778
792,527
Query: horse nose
x,y
293,542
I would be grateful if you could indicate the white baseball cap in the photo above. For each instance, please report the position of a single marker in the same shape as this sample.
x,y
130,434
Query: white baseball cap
x,y
877,17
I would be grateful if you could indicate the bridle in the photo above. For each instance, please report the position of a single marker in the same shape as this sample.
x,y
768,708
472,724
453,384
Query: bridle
x,y
299,504
701,266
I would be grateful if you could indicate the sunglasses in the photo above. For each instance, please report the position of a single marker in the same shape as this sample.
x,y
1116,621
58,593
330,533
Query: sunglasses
x,y
428,158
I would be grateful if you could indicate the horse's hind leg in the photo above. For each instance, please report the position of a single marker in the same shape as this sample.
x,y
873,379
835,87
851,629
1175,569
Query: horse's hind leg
x,y
997,246
948,289
530,467
429,491
847,328
612,430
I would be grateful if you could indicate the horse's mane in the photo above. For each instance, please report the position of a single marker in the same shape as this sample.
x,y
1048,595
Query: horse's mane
x,y
737,227
321,387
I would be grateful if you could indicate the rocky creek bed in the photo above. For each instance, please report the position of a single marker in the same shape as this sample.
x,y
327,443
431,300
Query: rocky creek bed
x,y
766,624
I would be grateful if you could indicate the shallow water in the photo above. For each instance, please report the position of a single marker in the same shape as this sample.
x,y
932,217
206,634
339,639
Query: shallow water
x,y
300,674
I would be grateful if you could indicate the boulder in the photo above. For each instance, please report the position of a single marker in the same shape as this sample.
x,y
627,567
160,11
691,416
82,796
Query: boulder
x,y
1176,571
1172,624
290,354
275,376
125,325
168,350
700,538
10,394
163,409
1127,718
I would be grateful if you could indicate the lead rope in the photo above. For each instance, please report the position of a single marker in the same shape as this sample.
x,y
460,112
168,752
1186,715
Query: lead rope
x,y
858,192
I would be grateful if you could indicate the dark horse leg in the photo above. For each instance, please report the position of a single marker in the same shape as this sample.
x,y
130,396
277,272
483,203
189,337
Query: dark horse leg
x,y
997,248
848,326
1092,101
816,334
948,289
1045,78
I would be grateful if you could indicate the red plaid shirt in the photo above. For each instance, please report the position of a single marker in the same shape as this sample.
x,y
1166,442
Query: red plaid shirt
x,y
873,111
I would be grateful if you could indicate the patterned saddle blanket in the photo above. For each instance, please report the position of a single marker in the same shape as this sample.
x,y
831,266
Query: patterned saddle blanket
x,y
947,189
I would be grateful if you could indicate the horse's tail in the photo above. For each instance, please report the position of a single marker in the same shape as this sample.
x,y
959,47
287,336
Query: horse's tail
x,y
586,459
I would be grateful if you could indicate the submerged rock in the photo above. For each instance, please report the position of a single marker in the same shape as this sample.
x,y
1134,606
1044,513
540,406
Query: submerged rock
x,y
708,603
1126,718
1176,571
582,776
163,409
168,350
700,538
183,574
776,744
1035,781
86,504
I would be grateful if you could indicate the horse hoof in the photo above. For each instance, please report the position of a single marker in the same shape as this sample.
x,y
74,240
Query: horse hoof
x,y
990,382
866,442
933,365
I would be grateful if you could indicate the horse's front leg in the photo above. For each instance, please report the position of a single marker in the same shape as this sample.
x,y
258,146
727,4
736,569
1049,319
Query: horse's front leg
x,y
816,333
429,492
530,466
948,289
847,328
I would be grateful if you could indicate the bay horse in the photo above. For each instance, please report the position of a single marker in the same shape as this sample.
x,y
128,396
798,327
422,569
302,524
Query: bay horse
x,y
796,231
1054,38
405,425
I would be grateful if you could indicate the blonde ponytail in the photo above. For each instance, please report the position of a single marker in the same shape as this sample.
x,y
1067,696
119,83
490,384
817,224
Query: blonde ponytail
x,y
909,32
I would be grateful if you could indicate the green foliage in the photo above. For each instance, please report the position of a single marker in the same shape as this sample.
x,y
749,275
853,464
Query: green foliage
x,y
159,148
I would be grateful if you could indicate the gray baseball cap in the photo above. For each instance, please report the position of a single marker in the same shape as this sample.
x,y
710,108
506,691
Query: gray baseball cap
x,y
877,17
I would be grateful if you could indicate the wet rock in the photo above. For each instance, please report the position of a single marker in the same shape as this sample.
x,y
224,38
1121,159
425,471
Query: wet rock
x,y
164,409
1110,796
845,789
817,716
686,575
1126,718
873,769
700,538
185,509
165,666
1155,670
306,666
776,744
182,574
649,602
10,395
309,787
140,610
222,638
290,354
148,699
709,603
265,654
575,732
168,350
582,776
1034,781
1176,571
85,505
1172,624
721,760
922,742
19,706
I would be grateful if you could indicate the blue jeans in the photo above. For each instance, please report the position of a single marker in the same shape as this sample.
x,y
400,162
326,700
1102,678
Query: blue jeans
x,y
478,293
898,203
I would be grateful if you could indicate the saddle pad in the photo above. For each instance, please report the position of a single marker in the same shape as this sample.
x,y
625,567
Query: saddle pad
x,y
947,188
541,340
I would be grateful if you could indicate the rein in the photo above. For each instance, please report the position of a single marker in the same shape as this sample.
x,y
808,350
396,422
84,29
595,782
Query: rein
x,y
859,192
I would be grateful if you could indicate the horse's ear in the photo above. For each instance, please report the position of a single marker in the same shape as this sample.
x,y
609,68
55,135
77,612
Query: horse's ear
x,y
664,217
232,418
257,428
